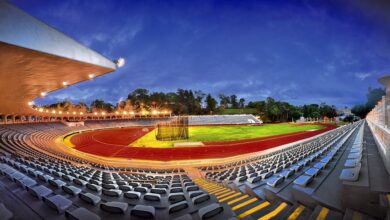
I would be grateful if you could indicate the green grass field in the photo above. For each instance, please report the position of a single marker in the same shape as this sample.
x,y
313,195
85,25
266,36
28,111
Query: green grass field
x,y
224,133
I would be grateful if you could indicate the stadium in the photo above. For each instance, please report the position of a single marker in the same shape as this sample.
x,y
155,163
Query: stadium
x,y
151,163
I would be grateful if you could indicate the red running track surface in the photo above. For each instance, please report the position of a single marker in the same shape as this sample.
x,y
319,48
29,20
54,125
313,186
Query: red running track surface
x,y
114,143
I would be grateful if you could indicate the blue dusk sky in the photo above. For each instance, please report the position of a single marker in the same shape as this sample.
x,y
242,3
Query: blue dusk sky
x,y
296,51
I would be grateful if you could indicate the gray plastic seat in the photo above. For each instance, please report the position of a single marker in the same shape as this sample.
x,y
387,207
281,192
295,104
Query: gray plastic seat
x,y
110,186
45,177
274,182
80,182
254,179
147,185
114,207
326,159
176,189
357,156
152,197
58,202
132,195
94,187
303,180
143,211
352,163
141,189
286,173
296,167
320,165
16,176
192,188
68,178
268,175
40,191
112,192
89,198
177,207
125,188
195,193
158,190
174,185
176,197
312,172
5,214
81,214
57,183
26,182
350,174
164,186
201,198
210,211
71,190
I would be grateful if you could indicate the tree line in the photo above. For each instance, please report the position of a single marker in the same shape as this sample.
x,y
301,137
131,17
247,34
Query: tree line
x,y
189,102
373,96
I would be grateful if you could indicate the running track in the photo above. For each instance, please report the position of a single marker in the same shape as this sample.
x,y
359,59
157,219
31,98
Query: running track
x,y
114,143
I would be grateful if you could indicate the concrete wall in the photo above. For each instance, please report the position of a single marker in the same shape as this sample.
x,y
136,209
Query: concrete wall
x,y
382,138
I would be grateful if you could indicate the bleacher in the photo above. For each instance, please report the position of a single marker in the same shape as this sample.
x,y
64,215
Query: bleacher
x,y
323,179
223,119
320,178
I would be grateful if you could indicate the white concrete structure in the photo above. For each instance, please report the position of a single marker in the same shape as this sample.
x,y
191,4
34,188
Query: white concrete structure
x,y
379,121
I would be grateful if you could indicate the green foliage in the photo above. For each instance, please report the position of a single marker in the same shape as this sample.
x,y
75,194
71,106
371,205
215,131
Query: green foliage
x,y
211,104
373,96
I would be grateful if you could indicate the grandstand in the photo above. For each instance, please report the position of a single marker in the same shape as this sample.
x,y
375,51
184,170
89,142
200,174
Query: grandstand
x,y
341,173
223,119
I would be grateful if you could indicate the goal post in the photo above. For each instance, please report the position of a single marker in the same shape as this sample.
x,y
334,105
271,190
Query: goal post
x,y
176,129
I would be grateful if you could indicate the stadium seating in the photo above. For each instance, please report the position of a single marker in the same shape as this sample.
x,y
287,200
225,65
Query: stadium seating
x,y
223,119
284,183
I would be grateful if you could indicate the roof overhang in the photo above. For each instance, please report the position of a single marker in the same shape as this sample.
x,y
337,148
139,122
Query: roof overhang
x,y
36,58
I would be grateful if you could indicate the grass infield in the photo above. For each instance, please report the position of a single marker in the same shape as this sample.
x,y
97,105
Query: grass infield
x,y
225,133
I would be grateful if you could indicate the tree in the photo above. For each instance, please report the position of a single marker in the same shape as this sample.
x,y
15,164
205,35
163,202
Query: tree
x,y
211,104
100,105
233,101
241,103
373,96
224,100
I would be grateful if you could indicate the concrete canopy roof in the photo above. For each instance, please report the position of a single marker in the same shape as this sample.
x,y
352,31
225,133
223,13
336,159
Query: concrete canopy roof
x,y
36,58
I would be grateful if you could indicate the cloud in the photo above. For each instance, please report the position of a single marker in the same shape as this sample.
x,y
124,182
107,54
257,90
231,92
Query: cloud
x,y
362,76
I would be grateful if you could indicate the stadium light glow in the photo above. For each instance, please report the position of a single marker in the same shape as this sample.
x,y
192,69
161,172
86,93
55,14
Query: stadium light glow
x,y
43,94
47,111
120,62
30,103
74,113
54,111
117,113
91,76
132,113
81,113
60,112
65,83
125,112
154,112
103,113
40,110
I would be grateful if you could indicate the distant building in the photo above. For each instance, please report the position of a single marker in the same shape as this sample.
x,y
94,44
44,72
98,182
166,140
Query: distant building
x,y
344,111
